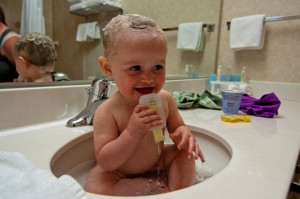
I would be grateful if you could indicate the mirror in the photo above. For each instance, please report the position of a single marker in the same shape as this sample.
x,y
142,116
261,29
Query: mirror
x,y
79,59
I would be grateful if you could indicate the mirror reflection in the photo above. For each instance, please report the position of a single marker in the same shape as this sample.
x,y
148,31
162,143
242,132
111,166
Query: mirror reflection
x,y
79,59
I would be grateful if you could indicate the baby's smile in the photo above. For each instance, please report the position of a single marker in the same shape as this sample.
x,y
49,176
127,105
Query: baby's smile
x,y
145,90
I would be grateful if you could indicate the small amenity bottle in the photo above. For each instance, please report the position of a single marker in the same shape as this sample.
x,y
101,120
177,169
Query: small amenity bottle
x,y
228,73
243,75
219,73
154,102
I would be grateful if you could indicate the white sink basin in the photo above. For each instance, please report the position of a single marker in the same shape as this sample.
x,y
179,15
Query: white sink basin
x,y
77,157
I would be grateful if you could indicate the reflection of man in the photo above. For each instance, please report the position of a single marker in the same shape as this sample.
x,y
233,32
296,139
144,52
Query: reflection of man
x,y
7,40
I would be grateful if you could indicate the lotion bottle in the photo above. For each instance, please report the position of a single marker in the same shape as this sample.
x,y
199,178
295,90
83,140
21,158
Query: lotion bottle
x,y
219,73
243,75
154,102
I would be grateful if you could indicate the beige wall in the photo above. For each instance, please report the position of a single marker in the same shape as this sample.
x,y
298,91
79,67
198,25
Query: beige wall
x,y
279,60
169,14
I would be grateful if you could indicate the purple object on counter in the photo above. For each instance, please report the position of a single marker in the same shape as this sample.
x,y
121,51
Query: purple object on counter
x,y
266,106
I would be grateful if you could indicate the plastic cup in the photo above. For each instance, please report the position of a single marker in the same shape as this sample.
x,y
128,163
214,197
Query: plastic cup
x,y
235,77
231,101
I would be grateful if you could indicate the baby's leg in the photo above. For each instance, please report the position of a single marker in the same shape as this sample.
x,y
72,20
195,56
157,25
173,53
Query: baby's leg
x,y
116,184
181,168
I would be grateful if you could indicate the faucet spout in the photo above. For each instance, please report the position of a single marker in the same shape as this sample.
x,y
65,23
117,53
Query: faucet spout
x,y
98,92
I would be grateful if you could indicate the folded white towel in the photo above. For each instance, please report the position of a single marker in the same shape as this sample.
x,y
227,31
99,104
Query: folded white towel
x,y
21,179
190,36
246,88
72,2
247,32
93,30
202,171
81,32
85,4
88,32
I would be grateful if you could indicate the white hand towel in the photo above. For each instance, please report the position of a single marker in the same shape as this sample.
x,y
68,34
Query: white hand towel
x,y
190,36
246,88
93,30
72,2
85,4
81,32
247,32
88,32
21,179
202,171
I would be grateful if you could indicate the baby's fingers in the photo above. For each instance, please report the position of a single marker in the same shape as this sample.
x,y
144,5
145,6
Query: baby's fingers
x,y
198,153
194,149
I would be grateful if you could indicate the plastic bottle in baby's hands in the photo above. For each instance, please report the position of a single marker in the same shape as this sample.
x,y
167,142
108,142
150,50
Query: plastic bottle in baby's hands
x,y
154,102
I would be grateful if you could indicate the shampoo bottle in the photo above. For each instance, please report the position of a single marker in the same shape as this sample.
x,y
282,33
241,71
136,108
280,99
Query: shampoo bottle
x,y
228,73
154,102
243,75
219,73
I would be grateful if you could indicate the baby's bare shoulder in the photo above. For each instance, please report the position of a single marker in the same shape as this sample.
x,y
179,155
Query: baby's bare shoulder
x,y
165,95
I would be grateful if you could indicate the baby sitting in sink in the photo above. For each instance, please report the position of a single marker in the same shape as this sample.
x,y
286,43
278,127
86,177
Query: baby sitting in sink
x,y
126,153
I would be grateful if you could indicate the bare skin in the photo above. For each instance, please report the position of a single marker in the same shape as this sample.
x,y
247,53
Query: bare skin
x,y
124,146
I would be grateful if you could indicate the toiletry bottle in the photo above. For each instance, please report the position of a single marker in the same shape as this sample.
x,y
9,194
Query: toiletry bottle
x,y
243,75
227,73
219,77
219,73
154,102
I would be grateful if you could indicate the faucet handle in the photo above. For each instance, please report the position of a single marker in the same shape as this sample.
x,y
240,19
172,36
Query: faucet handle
x,y
99,88
98,92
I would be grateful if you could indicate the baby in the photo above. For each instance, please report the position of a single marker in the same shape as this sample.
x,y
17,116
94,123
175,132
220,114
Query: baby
x,y
35,57
126,153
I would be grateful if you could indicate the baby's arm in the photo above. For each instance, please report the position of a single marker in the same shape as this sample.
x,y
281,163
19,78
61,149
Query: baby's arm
x,y
113,150
179,132
8,46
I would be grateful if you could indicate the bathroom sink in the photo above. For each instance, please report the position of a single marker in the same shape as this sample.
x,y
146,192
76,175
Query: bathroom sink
x,y
76,158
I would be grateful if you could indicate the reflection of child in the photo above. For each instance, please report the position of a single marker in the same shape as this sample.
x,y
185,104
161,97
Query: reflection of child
x,y
35,57
126,153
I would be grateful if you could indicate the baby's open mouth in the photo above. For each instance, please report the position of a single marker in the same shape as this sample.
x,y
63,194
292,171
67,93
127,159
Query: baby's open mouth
x,y
145,90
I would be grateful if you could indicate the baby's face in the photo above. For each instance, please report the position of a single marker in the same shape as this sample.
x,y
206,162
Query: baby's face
x,y
138,63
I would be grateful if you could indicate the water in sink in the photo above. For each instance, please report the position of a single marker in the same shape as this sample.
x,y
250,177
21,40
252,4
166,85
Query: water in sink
x,y
78,159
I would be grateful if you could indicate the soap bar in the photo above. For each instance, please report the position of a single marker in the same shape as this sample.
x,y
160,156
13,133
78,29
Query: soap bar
x,y
235,118
154,102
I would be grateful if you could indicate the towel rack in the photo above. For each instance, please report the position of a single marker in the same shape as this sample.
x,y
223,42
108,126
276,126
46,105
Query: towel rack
x,y
272,19
210,28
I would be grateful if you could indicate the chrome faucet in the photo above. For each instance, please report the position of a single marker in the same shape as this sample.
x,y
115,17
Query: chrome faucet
x,y
98,92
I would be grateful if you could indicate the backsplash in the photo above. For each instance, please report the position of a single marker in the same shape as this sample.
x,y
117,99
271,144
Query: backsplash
x,y
27,106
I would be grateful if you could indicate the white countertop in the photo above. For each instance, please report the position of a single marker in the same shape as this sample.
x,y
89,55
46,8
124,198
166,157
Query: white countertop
x,y
264,152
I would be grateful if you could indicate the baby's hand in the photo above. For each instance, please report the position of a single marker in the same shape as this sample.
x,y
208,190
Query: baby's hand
x,y
142,120
184,140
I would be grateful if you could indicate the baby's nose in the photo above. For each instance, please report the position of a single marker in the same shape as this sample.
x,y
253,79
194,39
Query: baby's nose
x,y
148,76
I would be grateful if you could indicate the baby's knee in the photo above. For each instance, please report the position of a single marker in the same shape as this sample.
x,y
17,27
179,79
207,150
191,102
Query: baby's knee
x,y
93,187
185,156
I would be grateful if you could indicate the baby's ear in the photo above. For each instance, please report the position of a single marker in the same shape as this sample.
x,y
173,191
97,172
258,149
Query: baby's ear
x,y
24,61
104,65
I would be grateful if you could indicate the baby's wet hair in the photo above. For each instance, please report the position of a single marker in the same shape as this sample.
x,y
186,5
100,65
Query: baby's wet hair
x,y
127,21
38,48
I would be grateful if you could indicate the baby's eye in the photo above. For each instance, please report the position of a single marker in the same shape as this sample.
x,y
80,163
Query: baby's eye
x,y
135,68
158,67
